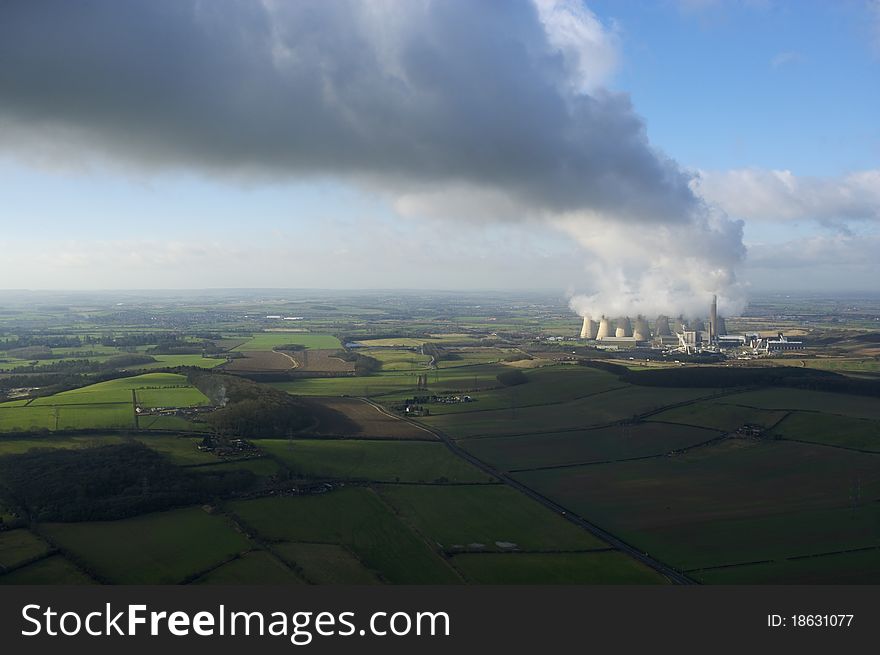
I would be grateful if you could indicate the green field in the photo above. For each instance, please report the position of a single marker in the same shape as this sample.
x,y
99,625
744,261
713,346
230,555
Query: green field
x,y
720,416
846,365
401,342
354,517
547,385
325,563
171,397
114,391
387,461
458,517
255,567
734,502
19,546
54,570
105,405
161,548
397,360
369,385
585,446
67,417
14,446
179,449
269,340
413,342
176,423
396,384
587,412
860,567
471,356
608,567
799,399
261,466
843,431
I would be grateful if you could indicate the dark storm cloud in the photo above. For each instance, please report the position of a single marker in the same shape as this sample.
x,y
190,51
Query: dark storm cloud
x,y
403,96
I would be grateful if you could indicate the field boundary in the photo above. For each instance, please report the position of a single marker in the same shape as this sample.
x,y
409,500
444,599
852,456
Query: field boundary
x,y
670,453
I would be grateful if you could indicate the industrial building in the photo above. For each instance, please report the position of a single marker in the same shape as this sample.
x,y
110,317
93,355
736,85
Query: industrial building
x,y
687,335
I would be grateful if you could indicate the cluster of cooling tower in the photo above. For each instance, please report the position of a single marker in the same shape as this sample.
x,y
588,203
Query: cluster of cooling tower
x,y
640,330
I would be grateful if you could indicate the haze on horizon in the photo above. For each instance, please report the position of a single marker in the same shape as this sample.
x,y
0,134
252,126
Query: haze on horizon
x,y
661,149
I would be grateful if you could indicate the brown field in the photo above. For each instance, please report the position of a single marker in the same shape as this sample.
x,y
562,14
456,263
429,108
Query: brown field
x,y
320,360
352,417
260,361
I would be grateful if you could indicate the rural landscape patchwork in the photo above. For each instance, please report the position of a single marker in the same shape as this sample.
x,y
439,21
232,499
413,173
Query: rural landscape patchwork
x,y
403,438
441,292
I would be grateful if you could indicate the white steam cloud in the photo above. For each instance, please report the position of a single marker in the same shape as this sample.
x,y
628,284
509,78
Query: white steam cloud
x,y
671,269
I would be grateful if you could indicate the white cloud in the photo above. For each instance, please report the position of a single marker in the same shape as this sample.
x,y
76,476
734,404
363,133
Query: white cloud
x,y
817,263
780,195
590,49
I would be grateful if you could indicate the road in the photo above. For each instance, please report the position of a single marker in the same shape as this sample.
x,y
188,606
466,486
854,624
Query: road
x,y
673,575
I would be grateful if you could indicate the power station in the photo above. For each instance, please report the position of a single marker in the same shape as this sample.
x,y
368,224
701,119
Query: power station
x,y
687,335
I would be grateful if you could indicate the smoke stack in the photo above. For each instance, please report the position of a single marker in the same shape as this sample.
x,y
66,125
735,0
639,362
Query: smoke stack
x,y
713,320
604,330
641,332
661,327
624,329
589,329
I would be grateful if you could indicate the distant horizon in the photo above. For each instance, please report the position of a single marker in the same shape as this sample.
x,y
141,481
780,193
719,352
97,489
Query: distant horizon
x,y
413,290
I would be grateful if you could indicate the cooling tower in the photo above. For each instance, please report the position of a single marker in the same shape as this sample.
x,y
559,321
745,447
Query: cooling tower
x,y
641,331
661,327
589,329
604,330
624,329
722,328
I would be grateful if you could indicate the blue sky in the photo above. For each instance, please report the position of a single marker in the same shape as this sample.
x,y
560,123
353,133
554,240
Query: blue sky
x,y
773,104
766,84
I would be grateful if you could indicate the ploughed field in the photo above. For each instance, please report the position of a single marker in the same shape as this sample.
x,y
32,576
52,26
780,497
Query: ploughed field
x,y
260,361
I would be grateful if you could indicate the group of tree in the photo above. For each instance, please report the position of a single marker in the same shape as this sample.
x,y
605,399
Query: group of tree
x,y
363,364
49,383
86,366
439,353
246,408
29,340
107,482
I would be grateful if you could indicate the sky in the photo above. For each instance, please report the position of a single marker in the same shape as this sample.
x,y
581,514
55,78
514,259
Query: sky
x,y
626,153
